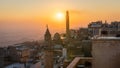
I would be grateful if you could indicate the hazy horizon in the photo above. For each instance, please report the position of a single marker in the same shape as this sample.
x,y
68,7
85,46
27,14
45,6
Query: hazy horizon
x,y
22,20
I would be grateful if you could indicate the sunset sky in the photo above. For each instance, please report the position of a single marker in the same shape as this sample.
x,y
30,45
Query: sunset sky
x,y
38,13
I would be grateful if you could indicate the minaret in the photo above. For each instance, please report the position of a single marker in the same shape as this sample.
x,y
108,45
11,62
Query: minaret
x,y
67,25
48,50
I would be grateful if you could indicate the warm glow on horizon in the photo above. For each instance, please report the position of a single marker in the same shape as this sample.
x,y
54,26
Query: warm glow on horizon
x,y
43,12
28,18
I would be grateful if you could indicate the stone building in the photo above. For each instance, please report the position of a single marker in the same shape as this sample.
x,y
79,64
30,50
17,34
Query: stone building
x,y
57,39
57,45
94,28
106,52
18,53
99,28
48,50
83,34
1,57
12,51
23,54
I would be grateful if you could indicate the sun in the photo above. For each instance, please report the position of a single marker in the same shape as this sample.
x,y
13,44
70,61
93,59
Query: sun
x,y
59,16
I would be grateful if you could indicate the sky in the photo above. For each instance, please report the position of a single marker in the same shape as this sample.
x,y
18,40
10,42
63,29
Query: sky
x,y
24,20
35,14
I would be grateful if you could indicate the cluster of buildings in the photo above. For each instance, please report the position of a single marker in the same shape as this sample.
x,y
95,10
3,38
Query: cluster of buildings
x,y
19,53
105,43
100,44
61,50
108,29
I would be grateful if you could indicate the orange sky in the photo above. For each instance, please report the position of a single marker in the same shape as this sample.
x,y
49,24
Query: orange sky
x,y
41,12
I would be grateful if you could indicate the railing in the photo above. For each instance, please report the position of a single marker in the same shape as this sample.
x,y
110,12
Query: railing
x,y
76,61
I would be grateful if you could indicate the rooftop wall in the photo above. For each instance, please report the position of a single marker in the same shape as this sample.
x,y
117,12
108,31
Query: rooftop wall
x,y
106,52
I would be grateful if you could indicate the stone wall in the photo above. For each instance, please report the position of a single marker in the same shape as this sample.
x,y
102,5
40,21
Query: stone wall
x,y
106,53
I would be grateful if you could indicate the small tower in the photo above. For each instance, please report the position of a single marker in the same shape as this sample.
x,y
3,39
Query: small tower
x,y
47,36
48,50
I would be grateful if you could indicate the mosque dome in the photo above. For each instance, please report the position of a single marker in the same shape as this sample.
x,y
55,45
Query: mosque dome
x,y
56,36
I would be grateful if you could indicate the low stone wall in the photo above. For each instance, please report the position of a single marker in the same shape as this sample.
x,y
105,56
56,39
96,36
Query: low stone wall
x,y
106,53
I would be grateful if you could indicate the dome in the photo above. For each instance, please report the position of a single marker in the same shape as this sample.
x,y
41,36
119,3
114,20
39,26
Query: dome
x,y
56,36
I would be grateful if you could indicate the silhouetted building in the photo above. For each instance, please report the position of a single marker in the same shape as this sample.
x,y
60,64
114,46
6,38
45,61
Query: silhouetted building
x,y
57,39
73,34
13,54
19,53
1,57
47,36
58,46
83,34
48,50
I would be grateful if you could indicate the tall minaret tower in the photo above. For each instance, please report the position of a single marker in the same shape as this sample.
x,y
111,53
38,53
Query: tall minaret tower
x,y
67,25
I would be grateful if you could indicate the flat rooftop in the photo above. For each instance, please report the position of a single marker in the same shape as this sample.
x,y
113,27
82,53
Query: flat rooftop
x,y
113,38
